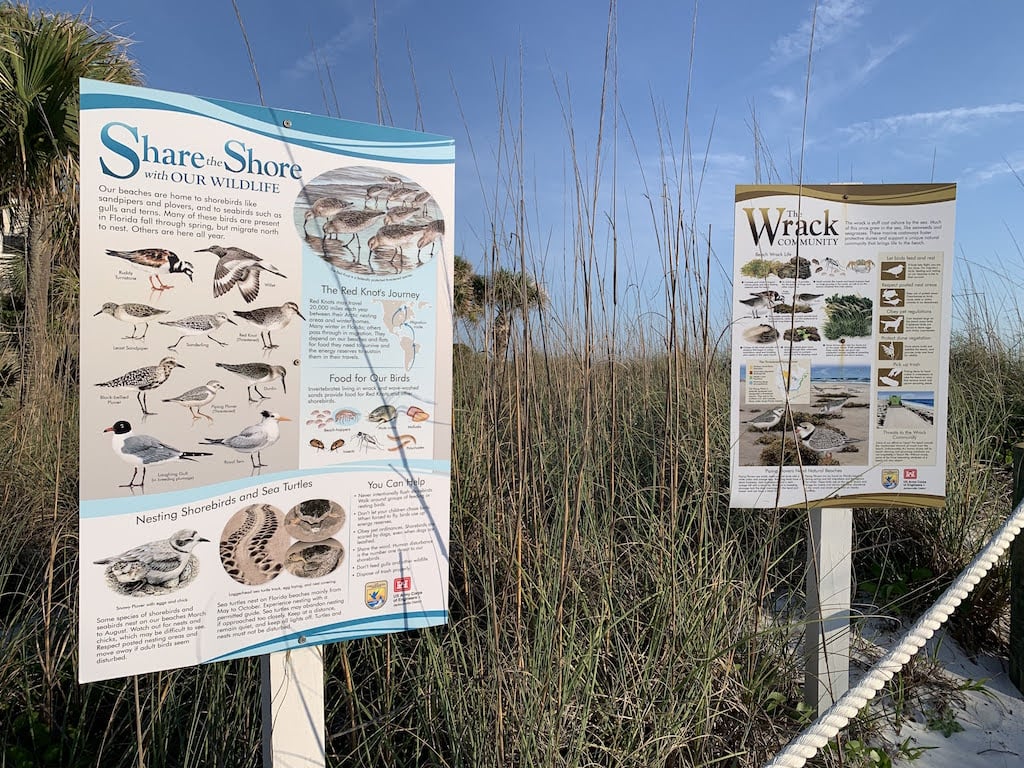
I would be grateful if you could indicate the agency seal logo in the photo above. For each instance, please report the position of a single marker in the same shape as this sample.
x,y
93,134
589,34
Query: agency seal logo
x,y
890,478
375,594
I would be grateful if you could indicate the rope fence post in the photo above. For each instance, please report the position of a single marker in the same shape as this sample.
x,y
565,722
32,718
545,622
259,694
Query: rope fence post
x,y
1017,580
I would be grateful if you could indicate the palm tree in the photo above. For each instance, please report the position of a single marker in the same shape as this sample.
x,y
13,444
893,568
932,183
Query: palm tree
x,y
512,294
42,57
470,291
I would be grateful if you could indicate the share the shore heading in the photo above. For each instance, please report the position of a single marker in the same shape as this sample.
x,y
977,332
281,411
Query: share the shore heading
x,y
130,151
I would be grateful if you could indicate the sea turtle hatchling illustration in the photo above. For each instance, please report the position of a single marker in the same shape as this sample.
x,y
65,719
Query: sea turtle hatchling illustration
x,y
313,560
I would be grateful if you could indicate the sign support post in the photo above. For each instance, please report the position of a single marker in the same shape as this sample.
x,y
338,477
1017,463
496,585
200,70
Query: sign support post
x,y
829,581
292,694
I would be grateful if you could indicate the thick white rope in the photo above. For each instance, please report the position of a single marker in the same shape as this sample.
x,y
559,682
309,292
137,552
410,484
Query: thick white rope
x,y
838,716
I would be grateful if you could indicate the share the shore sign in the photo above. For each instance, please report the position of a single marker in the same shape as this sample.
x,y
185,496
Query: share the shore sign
x,y
841,323
266,341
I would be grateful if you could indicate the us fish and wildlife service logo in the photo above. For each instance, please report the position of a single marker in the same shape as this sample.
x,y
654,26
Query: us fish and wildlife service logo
x,y
375,594
890,478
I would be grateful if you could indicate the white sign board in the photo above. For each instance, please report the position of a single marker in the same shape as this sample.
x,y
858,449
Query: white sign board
x,y
266,380
841,320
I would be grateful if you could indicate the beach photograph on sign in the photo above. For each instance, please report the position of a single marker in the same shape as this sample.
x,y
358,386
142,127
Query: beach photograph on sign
x,y
265,445
842,296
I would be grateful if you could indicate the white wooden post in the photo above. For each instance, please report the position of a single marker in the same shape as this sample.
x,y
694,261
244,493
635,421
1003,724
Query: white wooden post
x,y
829,580
292,689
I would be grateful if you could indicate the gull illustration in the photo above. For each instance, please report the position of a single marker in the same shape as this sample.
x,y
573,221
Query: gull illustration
x,y
253,439
143,451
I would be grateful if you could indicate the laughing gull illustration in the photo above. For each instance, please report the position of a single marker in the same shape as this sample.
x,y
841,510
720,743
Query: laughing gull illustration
x,y
144,451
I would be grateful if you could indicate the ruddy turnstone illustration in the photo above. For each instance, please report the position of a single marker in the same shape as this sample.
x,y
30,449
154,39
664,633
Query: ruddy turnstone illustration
x,y
198,325
159,563
157,261
145,379
238,267
144,451
136,314
257,373
254,439
269,319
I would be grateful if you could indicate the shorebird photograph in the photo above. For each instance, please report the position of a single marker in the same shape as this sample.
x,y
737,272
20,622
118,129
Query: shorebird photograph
x,y
156,261
197,397
762,300
145,379
236,266
257,373
144,451
268,319
252,440
198,325
136,314
159,563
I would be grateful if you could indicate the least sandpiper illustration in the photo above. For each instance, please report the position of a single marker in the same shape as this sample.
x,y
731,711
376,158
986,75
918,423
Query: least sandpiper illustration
x,y
136,314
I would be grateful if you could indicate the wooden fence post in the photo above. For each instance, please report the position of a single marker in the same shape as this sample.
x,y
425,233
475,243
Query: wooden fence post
x,y
1017,579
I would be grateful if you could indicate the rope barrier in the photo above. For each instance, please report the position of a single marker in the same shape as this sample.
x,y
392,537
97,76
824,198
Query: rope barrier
x,y
838,716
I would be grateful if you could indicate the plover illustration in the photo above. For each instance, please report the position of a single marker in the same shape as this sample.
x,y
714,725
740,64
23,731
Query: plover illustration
x,y
136,314
350,223
198,325
157,261
764,299
895,301
834,407
890,293
269,319
432,232
822,440
325,208
257,373
145,379
159,563
197,397
253,439
238,267
143,451
895,271
766,420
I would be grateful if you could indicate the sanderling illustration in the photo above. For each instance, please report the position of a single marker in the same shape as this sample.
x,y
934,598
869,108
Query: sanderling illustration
x,y
325,208
257,373
197,397
764,299
253,439
198,325
238,267
145,379
143,451
135,314
269,319
766,420
157,261
159,563
822,440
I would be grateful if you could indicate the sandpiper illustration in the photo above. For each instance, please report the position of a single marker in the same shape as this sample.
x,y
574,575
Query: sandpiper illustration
x,y
766,420
197,397
238,267
253,439
401,214
822,440
159,563
144,451
145,379
432,232
325,208
257,373
408,196
395,237
269,319
136,314
157,261
351,223
762,300
198,325
378,192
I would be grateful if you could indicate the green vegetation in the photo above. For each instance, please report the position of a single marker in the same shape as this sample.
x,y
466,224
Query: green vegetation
x,y
847,316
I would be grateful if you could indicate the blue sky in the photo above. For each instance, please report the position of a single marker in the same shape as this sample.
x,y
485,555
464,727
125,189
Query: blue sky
x,y
907,91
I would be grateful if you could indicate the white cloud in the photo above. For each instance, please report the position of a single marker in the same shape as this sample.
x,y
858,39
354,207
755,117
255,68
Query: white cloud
x,y
785,95
834,19
876,56
1013,164
955,120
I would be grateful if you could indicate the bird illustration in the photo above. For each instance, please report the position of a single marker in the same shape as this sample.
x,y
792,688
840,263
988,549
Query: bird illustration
x,y
158,261
895,302
395,237
895,271
401,214
890,293
833,408
762,300
351,223
196,325
159,563
254,439
238,267
766,420
378,192
197,397
269,319
143,450
257,373
432,232
807,297
135,314
822,440
145,379
325,208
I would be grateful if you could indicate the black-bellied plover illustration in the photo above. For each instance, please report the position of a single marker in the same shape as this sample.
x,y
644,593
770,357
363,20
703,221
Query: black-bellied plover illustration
x,y
822,440
254,439
762,300
432,232
351,223
145,379
269,319
136,314
325,208
144,451
197,397
238,267
395,237
257,373
198,325
157,261
159,563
